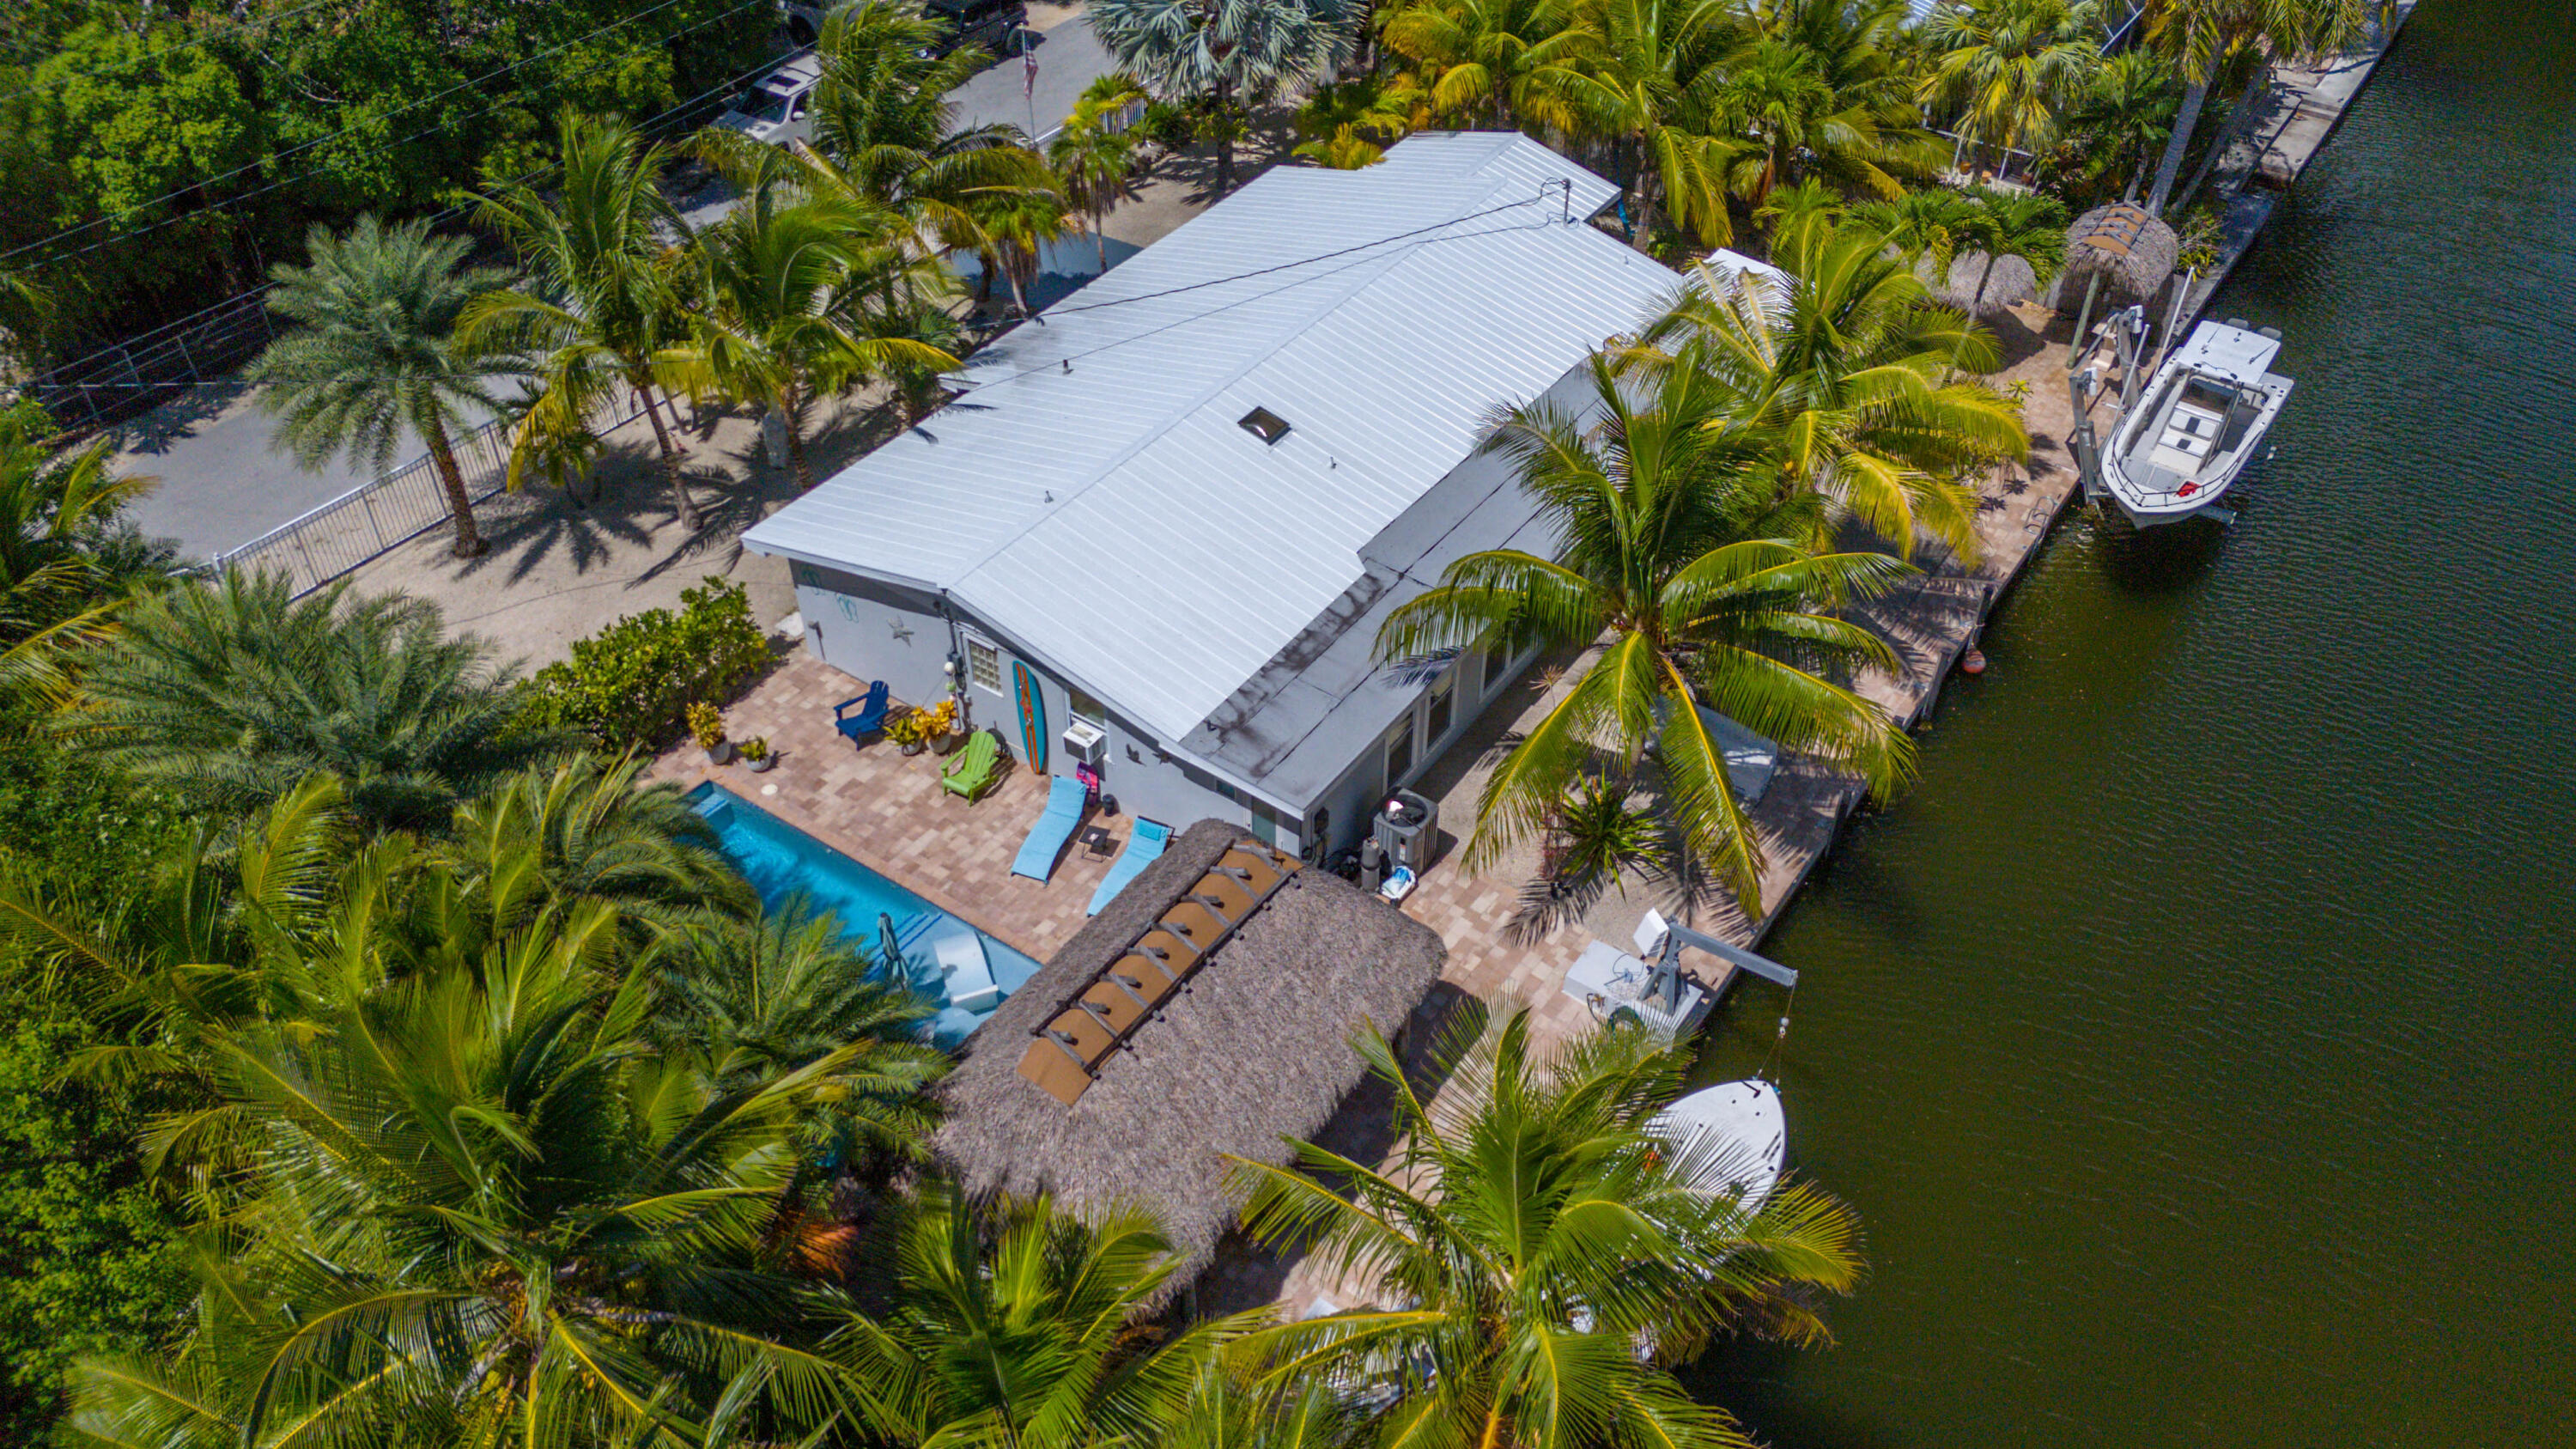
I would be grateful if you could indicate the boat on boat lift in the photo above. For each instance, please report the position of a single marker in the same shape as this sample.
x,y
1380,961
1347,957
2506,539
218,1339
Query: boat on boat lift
x,y
2176,451
1742,1128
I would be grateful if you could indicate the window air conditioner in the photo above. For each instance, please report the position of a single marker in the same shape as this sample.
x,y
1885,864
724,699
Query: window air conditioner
x,y
1085,741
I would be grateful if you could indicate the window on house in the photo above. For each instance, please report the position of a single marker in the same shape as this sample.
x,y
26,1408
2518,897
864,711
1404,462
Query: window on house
x,y
984,664
1444,700
1489,669
1399,751
1084,707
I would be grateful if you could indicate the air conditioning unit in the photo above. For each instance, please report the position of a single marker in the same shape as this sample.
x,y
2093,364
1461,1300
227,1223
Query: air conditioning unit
x,y
1085,741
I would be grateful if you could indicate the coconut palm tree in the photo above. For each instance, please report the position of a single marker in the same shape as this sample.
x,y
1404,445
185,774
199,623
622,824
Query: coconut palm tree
x,y
1778,95
1853,381
597,299
1475,58
883,120
67,564
2014,224
1551,1252
1094,158
2203,38
1017,1325
759,999
485,1211
229,693
376,352
2125,119
1682,557
590,828
1920,224
777,326
1639,82
1232,52
2011,67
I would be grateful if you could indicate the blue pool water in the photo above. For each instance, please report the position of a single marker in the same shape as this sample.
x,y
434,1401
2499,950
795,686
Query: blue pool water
x,y
783,863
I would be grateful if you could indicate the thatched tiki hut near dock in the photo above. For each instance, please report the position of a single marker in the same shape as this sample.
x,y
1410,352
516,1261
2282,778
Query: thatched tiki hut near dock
x,y
2125,247
1253,1048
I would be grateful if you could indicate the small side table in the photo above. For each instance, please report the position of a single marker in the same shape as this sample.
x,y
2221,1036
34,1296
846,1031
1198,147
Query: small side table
x,y
1096,842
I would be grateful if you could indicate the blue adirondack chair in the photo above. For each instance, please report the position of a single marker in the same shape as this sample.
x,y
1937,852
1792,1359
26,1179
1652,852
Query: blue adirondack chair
x,y
872,708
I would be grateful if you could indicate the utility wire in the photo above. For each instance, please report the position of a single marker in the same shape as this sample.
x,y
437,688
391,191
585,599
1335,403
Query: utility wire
x,y
496,104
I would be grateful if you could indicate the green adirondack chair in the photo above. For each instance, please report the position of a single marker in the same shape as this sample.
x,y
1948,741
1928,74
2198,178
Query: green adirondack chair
x,y
976,766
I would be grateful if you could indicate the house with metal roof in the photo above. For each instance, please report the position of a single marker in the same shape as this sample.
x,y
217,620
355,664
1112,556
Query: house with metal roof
x,y
1157,530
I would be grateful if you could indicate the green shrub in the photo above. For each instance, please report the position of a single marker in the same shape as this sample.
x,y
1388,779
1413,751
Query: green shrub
x,y
630,684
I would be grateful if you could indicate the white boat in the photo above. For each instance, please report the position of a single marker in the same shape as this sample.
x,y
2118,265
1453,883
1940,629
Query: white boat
x,y
1742,1128
2202,419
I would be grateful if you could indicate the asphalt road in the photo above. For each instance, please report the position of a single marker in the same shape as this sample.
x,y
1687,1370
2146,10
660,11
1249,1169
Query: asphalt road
x,y
224,484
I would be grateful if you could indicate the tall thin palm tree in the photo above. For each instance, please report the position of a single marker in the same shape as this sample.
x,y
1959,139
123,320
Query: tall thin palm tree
x,y
1231,52
1640,82
598,293
1095,157
2125,118
1682,558
1780,95
1853,379
1550,1252
2011,68
375,353
227,694
1476,57
2204,37
1016,1325
775,328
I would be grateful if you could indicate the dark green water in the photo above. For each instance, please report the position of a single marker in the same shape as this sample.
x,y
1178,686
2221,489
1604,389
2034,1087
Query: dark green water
x,y
2196,1040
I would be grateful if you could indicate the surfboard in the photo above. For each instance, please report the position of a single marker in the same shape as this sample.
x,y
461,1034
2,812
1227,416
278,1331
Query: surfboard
x,y
1033,730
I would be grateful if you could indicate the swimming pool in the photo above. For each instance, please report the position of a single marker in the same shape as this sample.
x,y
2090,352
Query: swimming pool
x,y
783,862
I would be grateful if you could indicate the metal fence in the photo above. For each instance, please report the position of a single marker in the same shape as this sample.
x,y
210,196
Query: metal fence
x,y
149,369
370,519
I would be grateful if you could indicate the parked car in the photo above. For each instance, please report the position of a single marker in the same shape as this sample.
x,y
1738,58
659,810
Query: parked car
x,y
987,23
777,107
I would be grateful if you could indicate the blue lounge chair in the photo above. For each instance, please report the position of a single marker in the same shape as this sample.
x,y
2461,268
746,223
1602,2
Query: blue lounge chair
x,y
1065,797
872,707
1147,843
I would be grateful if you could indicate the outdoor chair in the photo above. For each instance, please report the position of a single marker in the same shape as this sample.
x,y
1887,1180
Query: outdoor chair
x,y
978,763
1055,824
872,707
1143,845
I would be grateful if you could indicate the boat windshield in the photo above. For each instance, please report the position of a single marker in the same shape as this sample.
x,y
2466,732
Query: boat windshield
x,y
2203,393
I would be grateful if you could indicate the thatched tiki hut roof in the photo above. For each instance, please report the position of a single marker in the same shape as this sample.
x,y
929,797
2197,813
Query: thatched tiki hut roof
x,y
2013,282
1254,1049
2125,245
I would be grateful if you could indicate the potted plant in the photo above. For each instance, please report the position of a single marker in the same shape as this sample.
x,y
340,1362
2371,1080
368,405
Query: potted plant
x,y
944,733
755,753
707,728
909,730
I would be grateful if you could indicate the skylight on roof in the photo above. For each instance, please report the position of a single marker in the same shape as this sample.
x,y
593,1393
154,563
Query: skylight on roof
x,y
1264,424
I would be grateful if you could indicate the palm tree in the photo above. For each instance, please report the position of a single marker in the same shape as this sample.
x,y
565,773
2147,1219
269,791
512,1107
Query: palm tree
x,y
1778,95
2011,67
590,828
598,297
1549,1251
1640,82
228,693
1920,224
377,352
2126,117
1680,557
1476,58
2204,37
778,275
761,999
883,119
2014,224
65,568
486,1211
1017,1325
1233,52
1094,161
1853,381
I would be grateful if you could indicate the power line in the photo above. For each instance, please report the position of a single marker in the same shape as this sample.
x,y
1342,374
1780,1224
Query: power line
x,y
192,43
202,183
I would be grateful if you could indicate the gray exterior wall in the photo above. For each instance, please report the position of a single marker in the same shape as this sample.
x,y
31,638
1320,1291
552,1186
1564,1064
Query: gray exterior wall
x,y
870,630
1354,799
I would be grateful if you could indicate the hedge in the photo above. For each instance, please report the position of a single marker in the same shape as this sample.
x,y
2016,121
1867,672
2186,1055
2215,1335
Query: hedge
x,y
629,684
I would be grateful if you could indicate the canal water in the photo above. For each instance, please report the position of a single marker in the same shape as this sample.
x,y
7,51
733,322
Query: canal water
x,y
2198,1040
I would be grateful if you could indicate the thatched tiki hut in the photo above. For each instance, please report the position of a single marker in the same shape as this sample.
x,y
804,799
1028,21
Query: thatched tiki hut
x,y
2124,247
1253,1048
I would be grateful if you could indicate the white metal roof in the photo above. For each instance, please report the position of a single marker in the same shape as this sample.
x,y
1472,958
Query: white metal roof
x,y
1092,495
